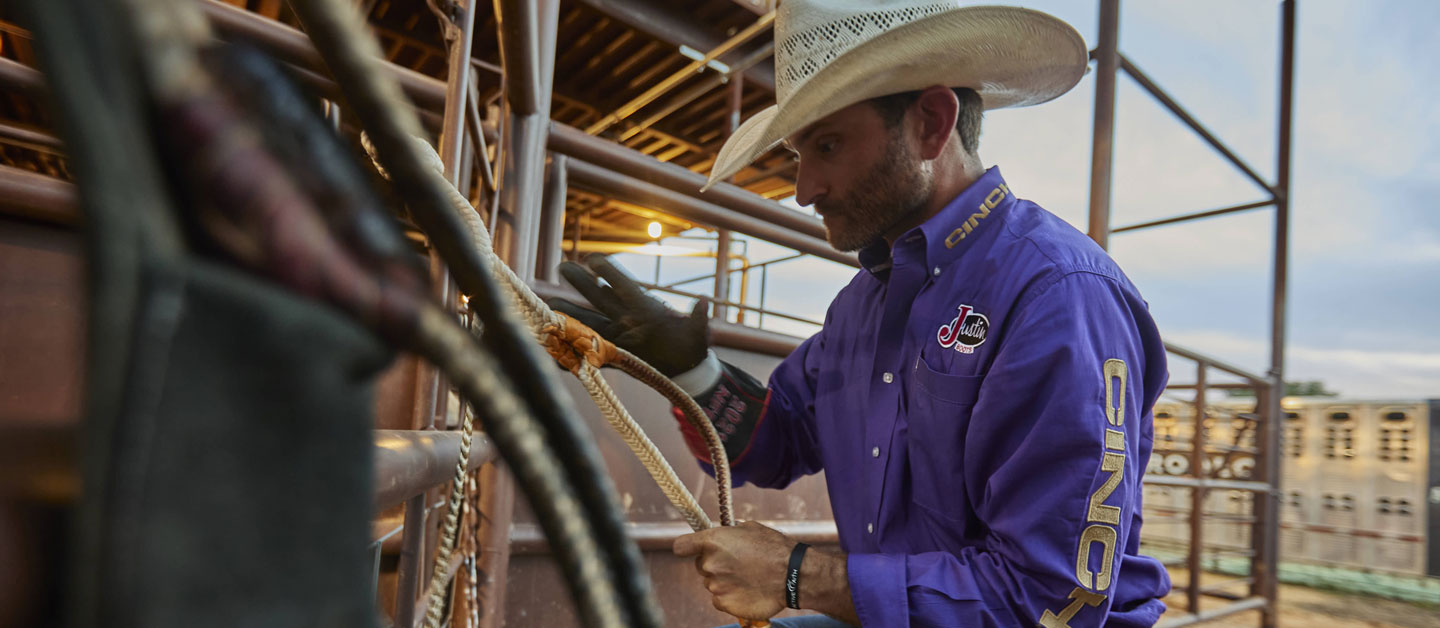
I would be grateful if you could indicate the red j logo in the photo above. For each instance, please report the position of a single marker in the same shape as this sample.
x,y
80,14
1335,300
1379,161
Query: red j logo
x,y
965,332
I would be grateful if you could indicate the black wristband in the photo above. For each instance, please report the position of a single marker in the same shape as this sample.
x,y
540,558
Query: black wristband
x,y
792,575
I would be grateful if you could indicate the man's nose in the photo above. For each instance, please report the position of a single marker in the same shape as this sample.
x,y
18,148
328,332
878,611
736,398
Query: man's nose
x,y
809,186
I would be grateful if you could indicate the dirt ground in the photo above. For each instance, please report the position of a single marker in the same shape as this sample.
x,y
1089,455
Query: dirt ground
x,y
1302,607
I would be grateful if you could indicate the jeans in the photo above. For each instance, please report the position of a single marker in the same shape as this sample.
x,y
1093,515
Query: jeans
x,y
804,621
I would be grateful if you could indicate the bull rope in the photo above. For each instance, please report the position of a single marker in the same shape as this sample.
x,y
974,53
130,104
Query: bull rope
x,y
583,352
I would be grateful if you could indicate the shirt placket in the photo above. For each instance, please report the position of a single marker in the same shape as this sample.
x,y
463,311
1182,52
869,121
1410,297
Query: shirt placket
x,y
906,278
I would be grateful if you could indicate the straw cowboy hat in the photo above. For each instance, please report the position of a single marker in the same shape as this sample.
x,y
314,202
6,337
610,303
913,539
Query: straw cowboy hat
x,y
830,54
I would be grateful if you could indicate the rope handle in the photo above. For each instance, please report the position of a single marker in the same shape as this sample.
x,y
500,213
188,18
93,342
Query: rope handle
x,y
571,342
582,351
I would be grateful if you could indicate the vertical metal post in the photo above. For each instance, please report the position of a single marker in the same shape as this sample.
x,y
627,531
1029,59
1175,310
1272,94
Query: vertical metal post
x,y
1107,61
527,51
412,562
431,394
1268,551
722,274
457,83
497,500
764,279
1197,494
722,242
744,291
552,220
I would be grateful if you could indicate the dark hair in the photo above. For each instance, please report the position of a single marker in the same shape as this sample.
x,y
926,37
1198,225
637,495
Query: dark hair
x,y
967,121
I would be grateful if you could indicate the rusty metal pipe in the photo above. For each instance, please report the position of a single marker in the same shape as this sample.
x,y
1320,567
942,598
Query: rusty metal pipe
x,y
408,462
34,196
497,505
412,561
20,76
1102,147
527,539
624,187
1267,507
1260,380
1247,604
552,220
1197,494
292,45
575,143
452,136
1195,216
32,139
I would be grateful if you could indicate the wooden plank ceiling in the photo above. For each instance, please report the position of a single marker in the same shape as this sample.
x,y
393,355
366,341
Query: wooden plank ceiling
x,y
602,62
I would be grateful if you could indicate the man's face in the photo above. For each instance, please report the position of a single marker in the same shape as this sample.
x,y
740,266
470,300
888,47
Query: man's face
x,y
864,179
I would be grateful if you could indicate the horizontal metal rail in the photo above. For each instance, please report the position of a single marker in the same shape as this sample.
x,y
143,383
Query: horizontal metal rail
x,y
736,270
727,303
38,197
1195,216
617,184
408,462
660,536
575,143
1260,381
20,76
1232,485
1251,603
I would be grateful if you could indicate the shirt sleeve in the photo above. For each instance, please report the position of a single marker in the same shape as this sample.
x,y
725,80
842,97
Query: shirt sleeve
x,y
1052,461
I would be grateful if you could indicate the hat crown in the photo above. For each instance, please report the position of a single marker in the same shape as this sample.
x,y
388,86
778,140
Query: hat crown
x,y
811,33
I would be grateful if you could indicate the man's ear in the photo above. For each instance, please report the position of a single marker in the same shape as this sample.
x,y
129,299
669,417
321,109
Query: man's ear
x,y
937,109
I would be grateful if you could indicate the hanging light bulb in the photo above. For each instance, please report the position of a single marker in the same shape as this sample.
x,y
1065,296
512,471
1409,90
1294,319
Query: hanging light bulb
x,y
654,229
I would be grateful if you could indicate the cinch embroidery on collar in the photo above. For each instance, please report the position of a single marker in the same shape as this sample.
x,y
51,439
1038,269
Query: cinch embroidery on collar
x,y
991,200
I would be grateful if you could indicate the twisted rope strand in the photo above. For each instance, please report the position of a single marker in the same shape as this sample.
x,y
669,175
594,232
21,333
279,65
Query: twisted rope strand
x,y
543,321
475,373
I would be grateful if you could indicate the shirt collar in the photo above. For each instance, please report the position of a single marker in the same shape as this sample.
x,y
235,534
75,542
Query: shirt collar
x,y
948,233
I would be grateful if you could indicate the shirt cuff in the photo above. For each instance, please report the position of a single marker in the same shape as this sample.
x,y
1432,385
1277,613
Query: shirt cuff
x,y
702,378
877,588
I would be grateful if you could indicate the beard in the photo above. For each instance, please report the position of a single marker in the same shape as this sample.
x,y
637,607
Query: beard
x,y
896,189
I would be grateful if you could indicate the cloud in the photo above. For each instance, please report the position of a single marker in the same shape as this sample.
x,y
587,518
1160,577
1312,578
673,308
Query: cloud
x,y
1352,372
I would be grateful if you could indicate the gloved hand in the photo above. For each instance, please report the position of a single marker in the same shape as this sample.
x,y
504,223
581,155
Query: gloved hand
x,y
671,342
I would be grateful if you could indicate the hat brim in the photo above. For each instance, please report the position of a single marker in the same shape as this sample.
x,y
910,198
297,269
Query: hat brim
x,y
1011,56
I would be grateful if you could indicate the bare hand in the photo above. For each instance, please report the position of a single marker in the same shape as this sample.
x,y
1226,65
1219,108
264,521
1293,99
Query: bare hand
x,y
743,567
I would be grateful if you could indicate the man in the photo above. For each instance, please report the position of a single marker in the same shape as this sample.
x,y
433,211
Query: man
x,y
979,396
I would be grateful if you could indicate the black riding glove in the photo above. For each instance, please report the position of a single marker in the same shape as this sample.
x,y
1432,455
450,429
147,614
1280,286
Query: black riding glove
x,y
671,342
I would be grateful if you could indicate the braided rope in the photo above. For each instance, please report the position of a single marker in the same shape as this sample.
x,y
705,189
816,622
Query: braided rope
x,y
638,369
544,322
643,447
474,373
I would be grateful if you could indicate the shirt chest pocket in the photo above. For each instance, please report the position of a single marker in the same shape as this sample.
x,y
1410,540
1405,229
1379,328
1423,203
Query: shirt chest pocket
x,y
939,407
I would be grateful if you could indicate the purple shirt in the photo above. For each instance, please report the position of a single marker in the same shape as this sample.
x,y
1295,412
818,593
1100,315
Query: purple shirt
x,y
979,399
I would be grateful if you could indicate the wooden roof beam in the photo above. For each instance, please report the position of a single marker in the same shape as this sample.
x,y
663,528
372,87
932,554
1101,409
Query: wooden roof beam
x,y
666,23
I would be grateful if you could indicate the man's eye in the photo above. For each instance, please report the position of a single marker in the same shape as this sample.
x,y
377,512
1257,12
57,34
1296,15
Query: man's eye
x,y
826,146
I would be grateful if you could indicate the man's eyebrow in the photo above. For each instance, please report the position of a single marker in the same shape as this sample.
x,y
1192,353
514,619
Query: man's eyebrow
x,y
805,134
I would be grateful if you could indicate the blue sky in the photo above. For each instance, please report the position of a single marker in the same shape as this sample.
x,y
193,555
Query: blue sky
x,y
1365,214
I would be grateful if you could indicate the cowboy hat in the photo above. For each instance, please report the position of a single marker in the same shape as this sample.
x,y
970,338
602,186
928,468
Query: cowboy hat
x,y
830,54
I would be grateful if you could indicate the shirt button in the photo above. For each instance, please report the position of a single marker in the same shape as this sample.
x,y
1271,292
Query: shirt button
x,y
936,271
875,452
870,528
887,377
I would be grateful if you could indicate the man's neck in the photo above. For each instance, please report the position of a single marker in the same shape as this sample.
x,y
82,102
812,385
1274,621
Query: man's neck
x,y
951,178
